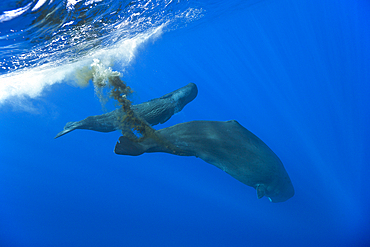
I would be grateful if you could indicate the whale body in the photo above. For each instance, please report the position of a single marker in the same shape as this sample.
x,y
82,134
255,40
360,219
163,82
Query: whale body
x,y
227,145
155,111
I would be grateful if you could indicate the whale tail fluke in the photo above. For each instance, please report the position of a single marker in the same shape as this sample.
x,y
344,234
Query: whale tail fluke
x,y
67,128
125,146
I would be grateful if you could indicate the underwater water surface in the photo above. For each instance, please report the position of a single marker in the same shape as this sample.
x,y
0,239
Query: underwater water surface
x,y
295,73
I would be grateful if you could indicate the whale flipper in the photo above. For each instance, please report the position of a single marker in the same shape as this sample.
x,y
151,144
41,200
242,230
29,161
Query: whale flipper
x,y
155,111
261,190
226,145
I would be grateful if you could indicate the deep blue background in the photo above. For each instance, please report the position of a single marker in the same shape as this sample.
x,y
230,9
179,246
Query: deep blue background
x,y
295,73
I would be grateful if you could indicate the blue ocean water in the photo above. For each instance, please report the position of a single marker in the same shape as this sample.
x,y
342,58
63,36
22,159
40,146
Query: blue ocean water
x,y
295,73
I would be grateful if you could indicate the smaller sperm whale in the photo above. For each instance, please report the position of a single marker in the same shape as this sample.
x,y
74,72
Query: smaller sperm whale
x,y
155,111
226,145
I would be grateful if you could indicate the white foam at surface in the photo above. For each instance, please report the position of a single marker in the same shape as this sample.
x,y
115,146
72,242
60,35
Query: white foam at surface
x,y
72,3
11,14
38,5
30,83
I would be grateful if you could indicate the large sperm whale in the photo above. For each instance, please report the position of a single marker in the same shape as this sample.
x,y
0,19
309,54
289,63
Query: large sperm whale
x,y
227,145
155,111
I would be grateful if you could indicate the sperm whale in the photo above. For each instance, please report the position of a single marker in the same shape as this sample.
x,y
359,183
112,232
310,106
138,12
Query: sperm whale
x,y
155,111
226,145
